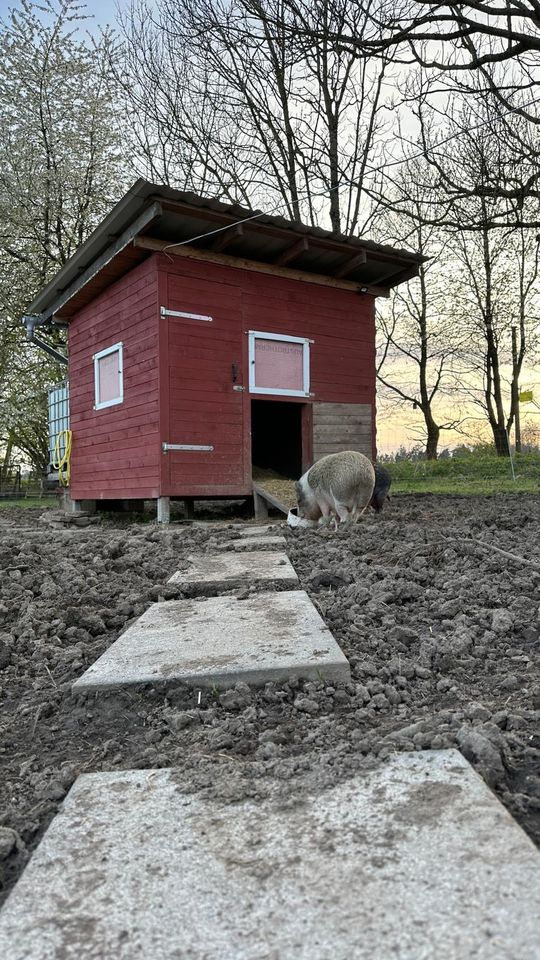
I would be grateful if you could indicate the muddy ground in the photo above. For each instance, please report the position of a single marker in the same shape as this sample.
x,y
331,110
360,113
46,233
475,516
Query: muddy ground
x,y
443,635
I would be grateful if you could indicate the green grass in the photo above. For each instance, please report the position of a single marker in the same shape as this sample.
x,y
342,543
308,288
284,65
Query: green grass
x,y
471,474
27,502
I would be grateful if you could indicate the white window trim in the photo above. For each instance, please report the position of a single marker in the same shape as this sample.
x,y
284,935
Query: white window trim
x,y
253,388
116,348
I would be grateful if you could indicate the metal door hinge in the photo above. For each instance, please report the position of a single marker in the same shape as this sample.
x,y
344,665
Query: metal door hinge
x,y
239,389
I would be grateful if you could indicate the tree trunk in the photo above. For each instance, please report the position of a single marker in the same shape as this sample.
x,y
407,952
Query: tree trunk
x,y
514,414
432,442
4,468
500,438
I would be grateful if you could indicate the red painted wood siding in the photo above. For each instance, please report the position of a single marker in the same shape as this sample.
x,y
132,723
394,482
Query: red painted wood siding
x,y
201,408
340,322
178,383
196,360
116,450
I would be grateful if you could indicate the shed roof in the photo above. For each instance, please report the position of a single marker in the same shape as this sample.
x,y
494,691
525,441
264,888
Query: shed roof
x,y
150,217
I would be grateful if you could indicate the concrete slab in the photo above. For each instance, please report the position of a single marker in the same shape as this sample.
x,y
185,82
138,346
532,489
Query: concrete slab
x,y
414,860
222,571
219,641
258,531
246,544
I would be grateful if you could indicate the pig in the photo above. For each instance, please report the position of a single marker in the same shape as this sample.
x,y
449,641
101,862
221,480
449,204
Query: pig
x,y
382,486
338,485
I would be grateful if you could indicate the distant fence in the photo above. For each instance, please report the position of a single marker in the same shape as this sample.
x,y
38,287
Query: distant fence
x,y
17,485
11,482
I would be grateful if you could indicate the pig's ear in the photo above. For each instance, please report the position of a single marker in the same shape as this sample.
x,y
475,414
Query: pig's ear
x,y
298,488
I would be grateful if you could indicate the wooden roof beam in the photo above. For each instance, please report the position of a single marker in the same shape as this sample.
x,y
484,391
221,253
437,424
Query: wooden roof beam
x,y
243,263
225,239
255,226
143,221
393,277
351,264
405,275
291,253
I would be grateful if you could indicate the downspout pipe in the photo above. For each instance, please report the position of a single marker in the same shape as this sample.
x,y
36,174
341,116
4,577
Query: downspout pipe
x,y
35,320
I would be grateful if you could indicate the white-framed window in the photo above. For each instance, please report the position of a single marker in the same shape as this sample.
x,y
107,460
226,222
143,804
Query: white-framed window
x,y
278,364
109,377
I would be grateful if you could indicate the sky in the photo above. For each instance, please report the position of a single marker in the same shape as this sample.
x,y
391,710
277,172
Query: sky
x,y
104,11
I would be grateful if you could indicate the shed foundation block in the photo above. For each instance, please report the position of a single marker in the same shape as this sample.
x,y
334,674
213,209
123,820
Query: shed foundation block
x,y
74,507
163,510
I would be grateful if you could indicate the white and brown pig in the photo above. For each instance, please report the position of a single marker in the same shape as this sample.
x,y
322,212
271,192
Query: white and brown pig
x,y
339,485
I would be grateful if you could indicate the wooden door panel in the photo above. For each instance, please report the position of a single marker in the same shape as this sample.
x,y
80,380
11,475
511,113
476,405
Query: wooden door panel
x,y
204,409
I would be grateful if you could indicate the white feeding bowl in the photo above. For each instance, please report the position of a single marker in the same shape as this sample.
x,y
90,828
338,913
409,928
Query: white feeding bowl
x,y
295,521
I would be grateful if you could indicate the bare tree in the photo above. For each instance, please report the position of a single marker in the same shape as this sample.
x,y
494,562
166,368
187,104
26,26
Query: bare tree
x,y
503,170
493,251
232,98
493,291
451,37
450,50
463,190
419,343
490,256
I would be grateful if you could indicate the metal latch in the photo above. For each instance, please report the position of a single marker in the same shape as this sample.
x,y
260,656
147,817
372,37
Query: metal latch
x,y
238,388
187,316
185,446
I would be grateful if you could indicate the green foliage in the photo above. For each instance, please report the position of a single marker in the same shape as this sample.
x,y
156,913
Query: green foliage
x,y
477,471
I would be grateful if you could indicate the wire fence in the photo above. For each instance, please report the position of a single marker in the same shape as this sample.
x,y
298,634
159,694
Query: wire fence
x,y
10,483
17,484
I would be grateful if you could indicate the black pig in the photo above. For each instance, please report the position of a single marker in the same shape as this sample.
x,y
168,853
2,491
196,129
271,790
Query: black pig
x,y
382,486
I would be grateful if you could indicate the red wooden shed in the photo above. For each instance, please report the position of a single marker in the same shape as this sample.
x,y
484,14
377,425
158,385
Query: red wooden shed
x,y
204,338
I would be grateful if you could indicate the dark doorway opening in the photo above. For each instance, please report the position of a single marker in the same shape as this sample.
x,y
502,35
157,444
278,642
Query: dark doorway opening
x,y
276,437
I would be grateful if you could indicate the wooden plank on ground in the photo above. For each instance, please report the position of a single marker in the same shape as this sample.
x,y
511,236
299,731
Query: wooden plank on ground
x,y
270,498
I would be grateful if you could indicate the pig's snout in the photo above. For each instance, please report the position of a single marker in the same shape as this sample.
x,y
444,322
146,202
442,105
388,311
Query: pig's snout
x,y
308,508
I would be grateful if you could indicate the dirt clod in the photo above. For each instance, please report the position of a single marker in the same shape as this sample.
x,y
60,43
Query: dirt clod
x,y
443,642
9,841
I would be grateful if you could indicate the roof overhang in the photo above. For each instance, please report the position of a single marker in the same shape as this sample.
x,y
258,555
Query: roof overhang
x,y
151,218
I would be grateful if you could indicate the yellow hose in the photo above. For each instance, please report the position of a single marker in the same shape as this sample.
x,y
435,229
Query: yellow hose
x,y
62,461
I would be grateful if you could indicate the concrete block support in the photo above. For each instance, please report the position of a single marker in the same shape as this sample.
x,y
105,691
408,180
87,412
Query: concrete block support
x,y
413,859
75,507
163,510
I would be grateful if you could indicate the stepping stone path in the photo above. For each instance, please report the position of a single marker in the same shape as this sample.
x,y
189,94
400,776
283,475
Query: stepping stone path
x,y
220,641
246,544
257,531
415,859
210,573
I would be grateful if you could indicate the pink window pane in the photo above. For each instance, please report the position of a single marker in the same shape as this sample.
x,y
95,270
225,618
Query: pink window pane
x,y
109,377
279,365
